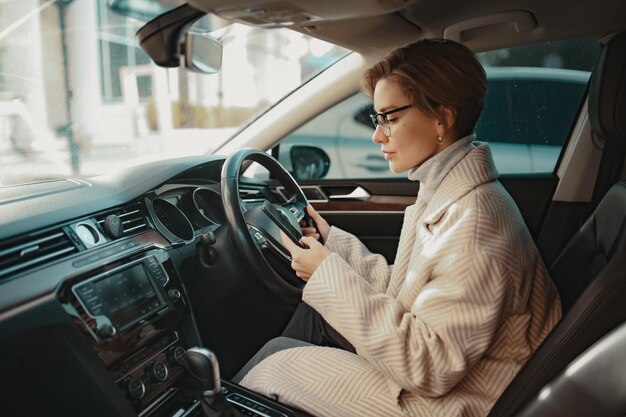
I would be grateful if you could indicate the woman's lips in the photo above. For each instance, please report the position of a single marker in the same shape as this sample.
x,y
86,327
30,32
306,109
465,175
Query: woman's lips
x,y
388,155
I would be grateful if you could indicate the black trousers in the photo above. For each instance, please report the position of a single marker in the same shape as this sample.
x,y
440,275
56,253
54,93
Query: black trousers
x,y
307,327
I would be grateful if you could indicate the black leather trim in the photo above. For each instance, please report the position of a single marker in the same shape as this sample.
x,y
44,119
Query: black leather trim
x,y
594,385
592,247
607,92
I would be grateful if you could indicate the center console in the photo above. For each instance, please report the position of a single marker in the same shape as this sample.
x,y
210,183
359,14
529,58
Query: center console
x,y
137,320
135,316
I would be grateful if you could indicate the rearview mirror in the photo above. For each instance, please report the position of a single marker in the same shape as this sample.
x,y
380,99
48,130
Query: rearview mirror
x,y
203,53
309,162
363,116
170,41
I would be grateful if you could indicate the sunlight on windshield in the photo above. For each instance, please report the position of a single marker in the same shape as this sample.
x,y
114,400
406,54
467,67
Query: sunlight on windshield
x,y
78,97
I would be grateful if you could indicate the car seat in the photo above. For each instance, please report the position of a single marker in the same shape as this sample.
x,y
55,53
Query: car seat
x,y
590,272
571,394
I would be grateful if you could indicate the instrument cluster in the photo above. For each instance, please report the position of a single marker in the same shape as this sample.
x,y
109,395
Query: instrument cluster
x,y
179,212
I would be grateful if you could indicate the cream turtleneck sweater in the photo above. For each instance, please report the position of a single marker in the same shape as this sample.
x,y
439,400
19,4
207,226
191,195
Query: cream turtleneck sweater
x,y
432,172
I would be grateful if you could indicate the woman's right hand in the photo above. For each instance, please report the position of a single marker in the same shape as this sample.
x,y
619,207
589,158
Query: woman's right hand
x,y
323,228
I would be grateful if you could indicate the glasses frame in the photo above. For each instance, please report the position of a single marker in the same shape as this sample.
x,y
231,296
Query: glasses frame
x,y
381,119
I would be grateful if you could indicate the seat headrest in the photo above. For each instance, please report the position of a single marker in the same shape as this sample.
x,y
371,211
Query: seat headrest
x,y
607,92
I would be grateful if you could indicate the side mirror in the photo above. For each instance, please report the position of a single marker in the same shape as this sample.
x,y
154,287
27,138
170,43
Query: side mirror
x,y
309,162
202,53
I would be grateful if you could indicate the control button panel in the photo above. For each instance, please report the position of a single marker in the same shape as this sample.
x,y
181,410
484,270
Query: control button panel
x,y
91,298
156,372
103,254
174,295
145,377
134,388
156,270
252,408
176,356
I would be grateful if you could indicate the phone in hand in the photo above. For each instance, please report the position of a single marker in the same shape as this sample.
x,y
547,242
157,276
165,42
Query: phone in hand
x,y
309,222
281,221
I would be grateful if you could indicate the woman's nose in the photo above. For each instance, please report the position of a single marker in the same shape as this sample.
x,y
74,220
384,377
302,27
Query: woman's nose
x,y
379,136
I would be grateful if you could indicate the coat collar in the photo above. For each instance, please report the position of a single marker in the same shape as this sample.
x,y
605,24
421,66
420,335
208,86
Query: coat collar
x,y
474,169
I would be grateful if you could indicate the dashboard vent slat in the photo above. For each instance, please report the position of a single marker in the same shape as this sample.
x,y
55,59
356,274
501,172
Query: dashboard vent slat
x,y
133,219
33,251
251,195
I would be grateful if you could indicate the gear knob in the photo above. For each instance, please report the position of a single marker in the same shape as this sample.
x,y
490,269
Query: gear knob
x,y
203,366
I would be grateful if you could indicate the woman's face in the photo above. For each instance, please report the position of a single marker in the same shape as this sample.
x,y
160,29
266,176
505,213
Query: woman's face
x,y
413,133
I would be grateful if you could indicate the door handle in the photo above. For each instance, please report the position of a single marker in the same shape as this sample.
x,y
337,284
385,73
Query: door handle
x,y
374,163
358,194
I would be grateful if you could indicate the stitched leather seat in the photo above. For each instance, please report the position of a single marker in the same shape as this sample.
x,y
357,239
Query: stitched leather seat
x,y
590,273
592,248
572,394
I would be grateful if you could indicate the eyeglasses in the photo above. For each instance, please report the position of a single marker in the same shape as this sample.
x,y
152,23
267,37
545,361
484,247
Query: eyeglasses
x,y
381,119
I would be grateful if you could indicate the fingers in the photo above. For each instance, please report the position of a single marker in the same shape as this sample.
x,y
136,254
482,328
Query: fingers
x,y
314,214
303,276
288,243
310,231
322,225
310,241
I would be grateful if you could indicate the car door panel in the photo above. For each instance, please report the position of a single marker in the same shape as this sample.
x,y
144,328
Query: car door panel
x,y
377,220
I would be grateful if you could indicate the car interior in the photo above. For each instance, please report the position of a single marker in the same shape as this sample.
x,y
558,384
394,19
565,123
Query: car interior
x,y
142,291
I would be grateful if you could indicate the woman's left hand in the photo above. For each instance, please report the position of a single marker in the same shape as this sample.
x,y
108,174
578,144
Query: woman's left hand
x,y
305,260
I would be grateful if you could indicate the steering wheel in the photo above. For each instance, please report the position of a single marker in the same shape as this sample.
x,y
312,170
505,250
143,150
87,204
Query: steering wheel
x,y
254,228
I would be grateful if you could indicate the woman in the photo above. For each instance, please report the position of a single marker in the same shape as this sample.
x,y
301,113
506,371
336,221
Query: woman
x,y
468,298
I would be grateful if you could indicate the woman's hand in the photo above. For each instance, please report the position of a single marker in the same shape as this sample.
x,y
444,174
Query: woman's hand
x,y
305,260
322,225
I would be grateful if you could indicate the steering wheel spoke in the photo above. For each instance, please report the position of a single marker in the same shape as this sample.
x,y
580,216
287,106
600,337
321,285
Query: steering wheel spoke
x,y
265,244
268,219
297,208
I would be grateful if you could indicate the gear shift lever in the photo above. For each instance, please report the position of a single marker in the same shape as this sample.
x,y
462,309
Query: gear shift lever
x,y
202,364
204,378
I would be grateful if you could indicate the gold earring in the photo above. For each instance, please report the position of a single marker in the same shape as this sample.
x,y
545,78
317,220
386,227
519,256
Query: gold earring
x,y
439,140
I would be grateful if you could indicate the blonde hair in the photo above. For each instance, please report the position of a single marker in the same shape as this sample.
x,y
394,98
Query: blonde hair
x,y
432,73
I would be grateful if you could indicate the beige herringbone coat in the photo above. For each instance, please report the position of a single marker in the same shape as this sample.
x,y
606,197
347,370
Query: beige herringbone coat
x,y
442,332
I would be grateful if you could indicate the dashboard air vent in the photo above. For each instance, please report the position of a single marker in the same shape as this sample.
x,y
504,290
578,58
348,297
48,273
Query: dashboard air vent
x,y
250,195
133,219
30,252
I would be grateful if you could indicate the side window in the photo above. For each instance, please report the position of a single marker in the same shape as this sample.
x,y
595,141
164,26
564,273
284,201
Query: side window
x,y
534,93
533,96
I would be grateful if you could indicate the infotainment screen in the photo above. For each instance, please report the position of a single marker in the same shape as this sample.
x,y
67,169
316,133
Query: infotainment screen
x,y
124,297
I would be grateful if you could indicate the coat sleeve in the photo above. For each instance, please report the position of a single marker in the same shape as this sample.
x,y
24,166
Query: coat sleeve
x,y
370,266
430,348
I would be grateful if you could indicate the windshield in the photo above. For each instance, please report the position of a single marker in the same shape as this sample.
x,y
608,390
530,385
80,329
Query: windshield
x,y
78,97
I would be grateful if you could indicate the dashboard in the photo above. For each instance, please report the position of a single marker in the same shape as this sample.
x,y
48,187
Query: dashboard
x,y
100,297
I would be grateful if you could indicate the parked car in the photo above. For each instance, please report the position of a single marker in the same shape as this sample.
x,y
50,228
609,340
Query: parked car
x,y
526,120
125,253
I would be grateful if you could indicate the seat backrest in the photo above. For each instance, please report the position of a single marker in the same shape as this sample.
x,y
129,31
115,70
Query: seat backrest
x,y
593,246
590,272
571,394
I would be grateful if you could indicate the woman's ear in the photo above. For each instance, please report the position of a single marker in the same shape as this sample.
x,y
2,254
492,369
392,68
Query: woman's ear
x,y
446,121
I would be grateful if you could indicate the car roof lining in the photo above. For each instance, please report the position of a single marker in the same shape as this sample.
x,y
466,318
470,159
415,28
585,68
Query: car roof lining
x,y
375,27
